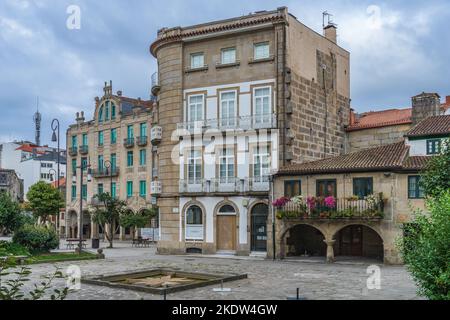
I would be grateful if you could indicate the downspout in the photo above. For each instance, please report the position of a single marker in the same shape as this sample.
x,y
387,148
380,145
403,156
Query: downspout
x,y
326,114
273,217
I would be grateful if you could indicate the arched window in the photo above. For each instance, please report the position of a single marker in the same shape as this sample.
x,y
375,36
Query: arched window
x,y
227,209
194,223
100,114
113,111
107,111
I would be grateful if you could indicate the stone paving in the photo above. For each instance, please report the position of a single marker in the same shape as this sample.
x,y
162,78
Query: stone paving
x,y
266,279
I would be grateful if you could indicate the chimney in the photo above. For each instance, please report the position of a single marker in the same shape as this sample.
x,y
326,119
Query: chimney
x,y
80,117
447,100
352,117
425,105
330,33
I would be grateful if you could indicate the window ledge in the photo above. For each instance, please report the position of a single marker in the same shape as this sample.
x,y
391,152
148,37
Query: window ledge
x,y
228,65
190,70
269,59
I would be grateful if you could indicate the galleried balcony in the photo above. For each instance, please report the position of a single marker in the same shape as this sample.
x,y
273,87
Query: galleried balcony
x,y
156,135
155,84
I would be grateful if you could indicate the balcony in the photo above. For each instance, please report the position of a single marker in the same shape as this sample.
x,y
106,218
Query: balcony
x,y
259,184
155,84
156,134
156,187
84,150
128,142
265,121
141,141
225,185
73,151
319,208
105,173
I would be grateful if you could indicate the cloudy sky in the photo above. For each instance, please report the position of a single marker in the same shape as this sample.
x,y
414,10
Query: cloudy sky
x,y
398,49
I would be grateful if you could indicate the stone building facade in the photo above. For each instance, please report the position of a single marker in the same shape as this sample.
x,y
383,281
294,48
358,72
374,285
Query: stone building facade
x,y
118,147
238,99
11,184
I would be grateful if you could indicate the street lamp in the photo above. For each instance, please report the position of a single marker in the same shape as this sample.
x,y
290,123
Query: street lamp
x,y
109,168
53,173
55,138
82,167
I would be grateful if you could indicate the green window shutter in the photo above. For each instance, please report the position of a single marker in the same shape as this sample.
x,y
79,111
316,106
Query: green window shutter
x,y
143,157
142,188
113,190
74,192
129,189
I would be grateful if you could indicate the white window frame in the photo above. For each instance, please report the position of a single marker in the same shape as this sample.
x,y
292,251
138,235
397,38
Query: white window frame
x,y
195,105
259,54
262,161
230,120
194,227
227,155
199,64
224,59
194,159
262,117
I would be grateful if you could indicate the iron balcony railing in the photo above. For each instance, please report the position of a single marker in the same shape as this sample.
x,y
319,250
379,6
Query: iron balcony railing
x,y
128,142
225,185
84,150
142,141
105,172
73,151
327,208
264,121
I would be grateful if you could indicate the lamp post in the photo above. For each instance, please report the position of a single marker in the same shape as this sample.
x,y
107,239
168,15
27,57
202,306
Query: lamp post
x,y
109,169
53,173
55,138
82,167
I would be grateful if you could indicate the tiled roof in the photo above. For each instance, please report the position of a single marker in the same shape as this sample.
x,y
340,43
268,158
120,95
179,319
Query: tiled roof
x,y
437,125
376,119
389,157
62,183
29,148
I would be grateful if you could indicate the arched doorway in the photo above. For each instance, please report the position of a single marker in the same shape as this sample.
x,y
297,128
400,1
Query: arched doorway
x,y
305,240
226,228
358,241
86,225
194,223
259,215
72,225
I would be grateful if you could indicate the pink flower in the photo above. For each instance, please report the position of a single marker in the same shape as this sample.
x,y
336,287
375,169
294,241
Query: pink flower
x,y
281,202
330,202
311,202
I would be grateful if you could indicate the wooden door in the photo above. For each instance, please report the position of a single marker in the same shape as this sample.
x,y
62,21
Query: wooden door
x,y
226,232
350,241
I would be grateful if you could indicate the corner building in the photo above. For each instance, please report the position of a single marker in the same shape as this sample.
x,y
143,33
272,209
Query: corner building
x,y
238,99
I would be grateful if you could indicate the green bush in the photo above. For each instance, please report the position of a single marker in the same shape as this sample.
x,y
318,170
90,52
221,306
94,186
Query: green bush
x,y
36,238
12,249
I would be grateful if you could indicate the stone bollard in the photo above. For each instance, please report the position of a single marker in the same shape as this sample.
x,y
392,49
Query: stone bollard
x,y
100,254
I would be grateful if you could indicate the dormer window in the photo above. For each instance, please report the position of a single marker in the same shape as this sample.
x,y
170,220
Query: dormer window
x,y
107,111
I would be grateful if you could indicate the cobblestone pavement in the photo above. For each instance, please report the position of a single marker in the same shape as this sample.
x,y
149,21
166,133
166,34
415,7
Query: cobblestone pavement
x,y
266,279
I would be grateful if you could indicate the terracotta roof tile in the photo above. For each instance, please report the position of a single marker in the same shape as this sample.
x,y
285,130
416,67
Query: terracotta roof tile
x,y
437,125
416,162
376,119
62,183
380,158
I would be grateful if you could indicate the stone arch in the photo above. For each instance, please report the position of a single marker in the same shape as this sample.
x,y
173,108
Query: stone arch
x,y
218,206
302,238
359,239
72,224
183,218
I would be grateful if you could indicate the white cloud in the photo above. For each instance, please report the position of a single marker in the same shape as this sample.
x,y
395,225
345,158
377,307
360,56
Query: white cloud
x,y
11,28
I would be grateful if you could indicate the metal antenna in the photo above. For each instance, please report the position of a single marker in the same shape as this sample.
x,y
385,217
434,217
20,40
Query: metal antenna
x,y
37,118
329,19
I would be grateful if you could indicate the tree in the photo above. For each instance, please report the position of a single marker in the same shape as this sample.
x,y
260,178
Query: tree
x,y
108,212
425,248
11,218
131,219
44,200
436,178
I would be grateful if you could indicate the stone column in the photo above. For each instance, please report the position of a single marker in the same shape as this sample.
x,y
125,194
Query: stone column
x,y
330,250
122,234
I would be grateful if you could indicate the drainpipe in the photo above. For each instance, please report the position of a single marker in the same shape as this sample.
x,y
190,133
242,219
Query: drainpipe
x,y
273,216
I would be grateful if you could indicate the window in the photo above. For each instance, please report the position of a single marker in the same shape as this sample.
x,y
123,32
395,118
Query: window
x,y
100,114
194,167
142,157
261,51
129,189
415,190
261,164
362,187
74,167
228,55
130,158
101,163
84,192
262,105
107,111
113,111
197,60
74,192
433,146
226,166
228,109
292,188
326,188
143,129
113,190
227,209
194,223
195,108
85,139
113,136
84,163
142,188
113,162
74,142
100,138
130,132
100,189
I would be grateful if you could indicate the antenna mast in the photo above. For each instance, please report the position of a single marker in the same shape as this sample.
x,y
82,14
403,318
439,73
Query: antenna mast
x,y
37,118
